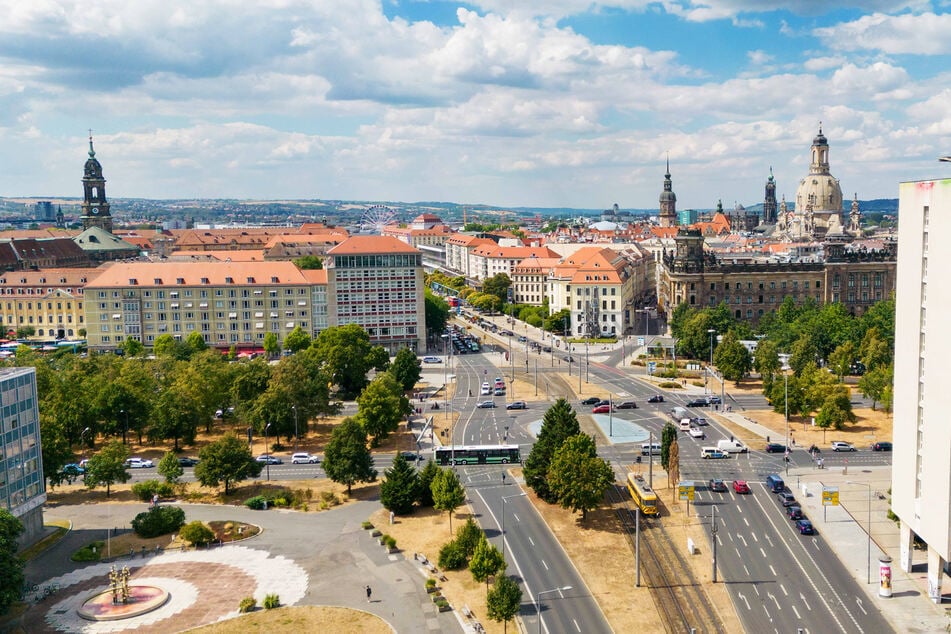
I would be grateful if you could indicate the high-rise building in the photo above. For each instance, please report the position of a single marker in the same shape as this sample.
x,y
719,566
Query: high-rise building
x,y
22,486
921,460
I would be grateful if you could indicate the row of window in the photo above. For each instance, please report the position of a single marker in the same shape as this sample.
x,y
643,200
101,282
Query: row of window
x,y
275,326
203,293
49,306
35,291
28,319
376,261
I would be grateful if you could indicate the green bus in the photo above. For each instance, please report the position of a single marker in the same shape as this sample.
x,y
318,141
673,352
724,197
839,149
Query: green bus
x,y
478,454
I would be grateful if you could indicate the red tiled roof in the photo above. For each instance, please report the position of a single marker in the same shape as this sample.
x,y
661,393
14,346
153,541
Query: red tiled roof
x,y
371,245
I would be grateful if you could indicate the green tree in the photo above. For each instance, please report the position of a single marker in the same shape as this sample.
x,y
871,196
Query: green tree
x,y
426,476
196,533
504,600
803,352
788,387
57,451
559,323
272,346
448,494
485,302
309,262
406,369
177,412
399,488
347,459
678,319
169,468
347,355
226,461
558,424
108,466
816,384
437,312
11,565
25,332
168,346
836,411
766,362
732,358
468,536
841,359
497,285
875,349
668,436
578,477
297,340
132,347
382,406
486,561
195,343
876,384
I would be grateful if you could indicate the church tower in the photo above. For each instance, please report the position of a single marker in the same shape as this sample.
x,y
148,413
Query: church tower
x,y
769,203
95,207
668,202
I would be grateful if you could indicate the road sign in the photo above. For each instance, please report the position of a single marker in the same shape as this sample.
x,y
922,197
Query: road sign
x,y
685,490
640,341
651,367
830,496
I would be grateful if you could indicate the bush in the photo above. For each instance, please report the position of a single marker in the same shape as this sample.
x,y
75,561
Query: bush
x,y
89,552
430,583
452,556
247,605
367,525
145,490
257,503
271,601
389,541
196,533
158,521
468,536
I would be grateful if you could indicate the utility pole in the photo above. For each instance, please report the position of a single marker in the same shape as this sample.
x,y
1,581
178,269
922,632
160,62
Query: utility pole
x,y
713,533
650,460
637,547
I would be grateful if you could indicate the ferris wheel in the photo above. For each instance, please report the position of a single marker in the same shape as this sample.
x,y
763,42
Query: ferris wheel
x,y
377,217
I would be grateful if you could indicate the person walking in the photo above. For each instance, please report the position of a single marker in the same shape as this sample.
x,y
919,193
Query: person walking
x,y
369,593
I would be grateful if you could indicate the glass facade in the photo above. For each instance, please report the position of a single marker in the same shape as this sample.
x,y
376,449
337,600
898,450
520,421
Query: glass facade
x,y
22,486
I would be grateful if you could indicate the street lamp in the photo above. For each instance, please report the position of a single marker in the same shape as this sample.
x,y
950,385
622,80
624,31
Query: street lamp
x,y
711,331
786,407
296,435
504,499
868,549
267,453
538,603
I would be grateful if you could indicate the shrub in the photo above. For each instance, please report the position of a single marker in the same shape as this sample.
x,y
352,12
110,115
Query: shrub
x,y
247,605
389,541
430,583
89,552
452,556
196,533
158,521
145,490
271,601
367,525
256,503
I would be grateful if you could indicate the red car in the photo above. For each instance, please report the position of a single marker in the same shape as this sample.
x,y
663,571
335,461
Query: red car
x,y
601,409
740,486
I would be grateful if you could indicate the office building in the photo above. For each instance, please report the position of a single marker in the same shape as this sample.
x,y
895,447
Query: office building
x,y
22,486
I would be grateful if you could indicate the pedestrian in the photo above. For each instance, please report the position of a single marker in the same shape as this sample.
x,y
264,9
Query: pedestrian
x,y
503,479
369,592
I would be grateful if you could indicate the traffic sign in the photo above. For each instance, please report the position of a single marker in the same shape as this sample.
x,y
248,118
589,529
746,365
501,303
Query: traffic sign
x,y
640,341
830,496
685,490
651,367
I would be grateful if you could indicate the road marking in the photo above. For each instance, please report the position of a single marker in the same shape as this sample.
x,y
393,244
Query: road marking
x,y
775,600
756,588
743,598
783,588
746,521
748,574
743,539
796,611
755,539
530,541
768,615
516,517
803,597
577,627
861,607
544,564
773,570
766,535
762,552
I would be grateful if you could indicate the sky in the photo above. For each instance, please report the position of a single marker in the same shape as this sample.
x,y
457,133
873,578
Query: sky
x,y
554,103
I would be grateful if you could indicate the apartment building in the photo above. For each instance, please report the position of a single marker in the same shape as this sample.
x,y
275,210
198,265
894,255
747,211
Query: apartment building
x,y
530,280
22,486
229,303
320,312
458,248
50,301
489,260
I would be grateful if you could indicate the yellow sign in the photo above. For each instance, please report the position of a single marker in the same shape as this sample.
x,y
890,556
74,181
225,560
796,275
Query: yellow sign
x,y
830,496
685,490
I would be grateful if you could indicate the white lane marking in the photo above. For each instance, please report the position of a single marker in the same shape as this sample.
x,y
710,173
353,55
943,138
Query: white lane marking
x,y
783,588
861,607
515,515
773,570
746,521
796,611
743,598
577,627
743,539
756,588
753,535
769,539
544,564
530,541
803,597
762,552
748,574
775,600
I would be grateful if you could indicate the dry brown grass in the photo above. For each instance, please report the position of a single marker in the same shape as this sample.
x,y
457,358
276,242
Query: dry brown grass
x,y
301,619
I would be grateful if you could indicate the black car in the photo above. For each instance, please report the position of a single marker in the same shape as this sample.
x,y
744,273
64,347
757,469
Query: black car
x,y
775,447
717,486
592,400
657,398
882,446
794,513
627,405
697,402
187,462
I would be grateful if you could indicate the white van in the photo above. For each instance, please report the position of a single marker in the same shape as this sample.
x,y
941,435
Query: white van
x,y
732,446
679,413
650,448
711,452
684,424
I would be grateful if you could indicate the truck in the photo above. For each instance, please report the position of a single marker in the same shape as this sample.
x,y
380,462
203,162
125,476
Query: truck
x,y
732,446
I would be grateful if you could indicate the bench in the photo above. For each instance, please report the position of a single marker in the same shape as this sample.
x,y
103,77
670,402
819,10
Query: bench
x,y
466,612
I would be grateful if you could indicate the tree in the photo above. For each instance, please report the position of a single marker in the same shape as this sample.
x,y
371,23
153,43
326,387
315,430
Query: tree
x,y
168,346
673,463
875,349
426,476
468,536
309,262
558,424
448,494
11,566
836,411
25,332
485,302
297,340
732,358
876,384
841,359
766,362
497,285
272,346
382,406
504,600
437,312
196,533
226,461
578,477
347,459
195,343
406,369
487,561
108,466
347,355
177,411
678,319
169,468
132,347
803,352
668,436
787,389
560,322
398,490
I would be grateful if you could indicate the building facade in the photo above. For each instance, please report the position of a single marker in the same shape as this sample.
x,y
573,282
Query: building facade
x,y
22,486
921,459
376,282
49,301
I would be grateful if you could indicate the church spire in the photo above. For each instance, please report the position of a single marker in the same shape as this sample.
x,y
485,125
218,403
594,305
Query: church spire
x,y
92,152
668,201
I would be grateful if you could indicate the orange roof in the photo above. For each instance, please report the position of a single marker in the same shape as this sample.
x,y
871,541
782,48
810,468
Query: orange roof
x,y
306,238
371,245
529,265
173,274
664,232
315,276
514,253
49,277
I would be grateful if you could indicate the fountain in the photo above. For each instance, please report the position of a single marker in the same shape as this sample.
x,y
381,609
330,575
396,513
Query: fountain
x,y
121,600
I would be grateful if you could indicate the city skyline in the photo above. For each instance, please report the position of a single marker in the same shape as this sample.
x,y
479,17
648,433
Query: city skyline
x,y
576,104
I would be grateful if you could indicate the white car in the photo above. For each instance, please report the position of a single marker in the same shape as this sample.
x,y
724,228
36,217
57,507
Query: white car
x,y
304,458
485,389
432,360
841,445
696,432
138,463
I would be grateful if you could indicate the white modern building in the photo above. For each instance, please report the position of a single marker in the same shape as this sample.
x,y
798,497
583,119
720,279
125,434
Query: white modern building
x,y
921,461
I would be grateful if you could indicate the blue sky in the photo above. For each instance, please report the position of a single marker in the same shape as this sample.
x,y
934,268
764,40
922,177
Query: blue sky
x,y
562,103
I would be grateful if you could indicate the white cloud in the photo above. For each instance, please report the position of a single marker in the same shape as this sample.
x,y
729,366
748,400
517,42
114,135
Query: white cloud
x,y
922,34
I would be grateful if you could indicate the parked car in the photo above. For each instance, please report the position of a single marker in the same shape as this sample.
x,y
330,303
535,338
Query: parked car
x,y
697,402
601,409
696,432
841,445
265,458
569,358
717,486
522,339
304,458
517,405
187,462
713,453
805,527
657,398
486,405
786,499
432,360
794,512
882,446
627,405
486,390
775,447
546,348
591,400
740,486
138,463
72,470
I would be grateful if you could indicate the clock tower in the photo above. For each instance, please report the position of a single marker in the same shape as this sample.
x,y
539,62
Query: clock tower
x,y
95,207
